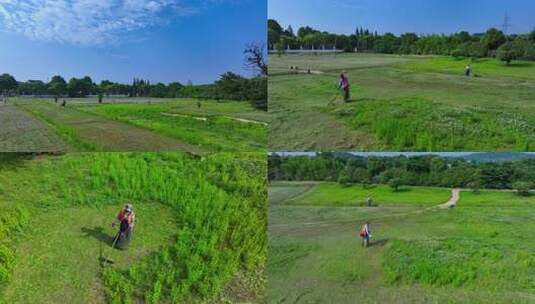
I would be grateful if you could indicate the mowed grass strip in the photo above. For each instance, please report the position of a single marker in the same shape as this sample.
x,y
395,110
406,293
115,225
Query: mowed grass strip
x,y
333,194
89,132
20,132
206,127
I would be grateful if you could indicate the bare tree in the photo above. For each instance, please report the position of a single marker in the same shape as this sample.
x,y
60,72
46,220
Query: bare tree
x,y
255,59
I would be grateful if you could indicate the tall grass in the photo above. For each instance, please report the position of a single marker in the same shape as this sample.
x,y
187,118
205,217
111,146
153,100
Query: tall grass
x,y
417,124
219,203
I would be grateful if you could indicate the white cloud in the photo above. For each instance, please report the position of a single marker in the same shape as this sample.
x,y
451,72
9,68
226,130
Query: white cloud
x,y
88,22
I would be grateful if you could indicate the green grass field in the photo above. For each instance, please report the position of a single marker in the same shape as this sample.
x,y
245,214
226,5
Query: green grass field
x,y
134,124
333,194
199,237
401,103
481,251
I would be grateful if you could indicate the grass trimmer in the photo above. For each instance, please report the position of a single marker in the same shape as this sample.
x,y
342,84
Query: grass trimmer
x,y
107,260
333,99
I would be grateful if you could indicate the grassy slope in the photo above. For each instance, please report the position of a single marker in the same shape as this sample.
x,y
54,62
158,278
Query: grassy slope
x,y
467,254
418,104
73,198
218,133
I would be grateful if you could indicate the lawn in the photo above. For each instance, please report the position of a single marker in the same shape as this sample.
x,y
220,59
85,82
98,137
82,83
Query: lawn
x,y
133,124
200,233
472,253
401,103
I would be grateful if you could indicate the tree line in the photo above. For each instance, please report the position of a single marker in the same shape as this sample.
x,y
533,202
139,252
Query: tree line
x,y
492,43
411,171
229,86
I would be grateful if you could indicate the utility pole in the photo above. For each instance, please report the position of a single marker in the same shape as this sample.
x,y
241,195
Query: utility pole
x,y
506,25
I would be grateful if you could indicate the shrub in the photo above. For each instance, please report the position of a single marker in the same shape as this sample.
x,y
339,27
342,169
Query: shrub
x,y
395,183
522,188
506,53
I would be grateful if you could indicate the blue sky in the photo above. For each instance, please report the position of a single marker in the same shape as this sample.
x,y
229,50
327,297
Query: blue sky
x,y
400,16
159,40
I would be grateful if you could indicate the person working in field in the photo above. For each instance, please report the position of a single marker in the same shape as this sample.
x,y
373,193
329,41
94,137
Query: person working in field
x,y
344,85
126,219
366,234
468,71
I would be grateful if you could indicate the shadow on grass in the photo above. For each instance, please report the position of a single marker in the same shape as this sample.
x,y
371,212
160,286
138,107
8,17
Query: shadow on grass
x,y
380,242
11,160
99,234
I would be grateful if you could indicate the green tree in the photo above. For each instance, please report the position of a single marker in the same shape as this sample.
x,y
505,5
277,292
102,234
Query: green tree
x,y
7,83
408,42
32,87
273,38
395,183
289,31
80,87
531,36
387,44
475,186
344,180
275,26
303,31
530,52
522,188
492,39
57,86
506,53
280,48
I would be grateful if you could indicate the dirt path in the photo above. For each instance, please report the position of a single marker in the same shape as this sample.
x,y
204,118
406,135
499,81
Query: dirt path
x,y
455,195
206,118
21,132
105,134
